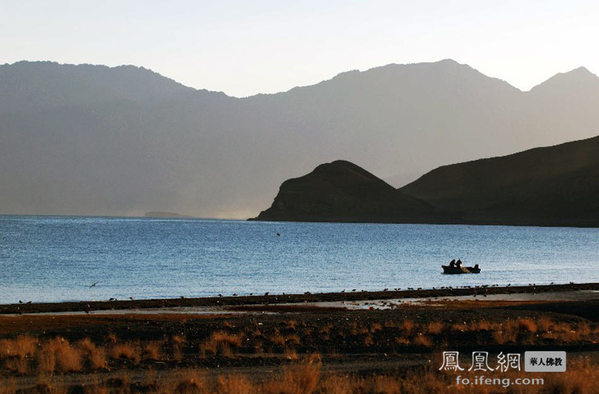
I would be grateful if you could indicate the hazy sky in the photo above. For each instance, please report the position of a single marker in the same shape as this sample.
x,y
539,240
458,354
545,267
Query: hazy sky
x,y
246,47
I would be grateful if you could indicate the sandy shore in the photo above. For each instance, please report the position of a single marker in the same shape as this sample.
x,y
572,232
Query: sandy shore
x,y
354,334
345,300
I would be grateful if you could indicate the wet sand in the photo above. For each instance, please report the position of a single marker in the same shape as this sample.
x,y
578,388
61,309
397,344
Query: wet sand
x,y
349,299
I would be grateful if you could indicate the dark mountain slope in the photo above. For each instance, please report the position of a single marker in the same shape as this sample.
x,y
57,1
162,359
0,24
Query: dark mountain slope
x,y
551,186
557,185
341,191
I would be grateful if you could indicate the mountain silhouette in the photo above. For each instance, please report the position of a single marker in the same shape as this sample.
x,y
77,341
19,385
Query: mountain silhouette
x,y
549,186
557,185
342,191
97,140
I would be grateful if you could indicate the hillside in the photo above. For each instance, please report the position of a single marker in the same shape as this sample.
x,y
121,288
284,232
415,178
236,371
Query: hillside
x,y
557,185
341,191
551,186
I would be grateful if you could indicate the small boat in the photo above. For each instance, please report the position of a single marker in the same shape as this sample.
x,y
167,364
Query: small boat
x,y
460,270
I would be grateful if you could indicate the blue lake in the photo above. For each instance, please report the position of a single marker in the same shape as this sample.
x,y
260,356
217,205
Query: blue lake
x,y
45,258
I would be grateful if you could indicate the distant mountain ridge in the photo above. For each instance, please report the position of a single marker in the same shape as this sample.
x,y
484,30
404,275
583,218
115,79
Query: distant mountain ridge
x,y
550,186
124,140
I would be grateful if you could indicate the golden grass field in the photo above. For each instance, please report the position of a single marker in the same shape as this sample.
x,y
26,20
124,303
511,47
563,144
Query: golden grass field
x,y
280,353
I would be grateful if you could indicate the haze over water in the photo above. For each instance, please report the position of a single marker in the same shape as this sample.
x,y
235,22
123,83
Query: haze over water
x,y
47,259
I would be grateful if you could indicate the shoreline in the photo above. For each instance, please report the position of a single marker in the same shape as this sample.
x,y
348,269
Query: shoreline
x,y
156,350
88,306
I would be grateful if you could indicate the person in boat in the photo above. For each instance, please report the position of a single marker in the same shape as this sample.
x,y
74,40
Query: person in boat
x,y
459,263
475,267
452,263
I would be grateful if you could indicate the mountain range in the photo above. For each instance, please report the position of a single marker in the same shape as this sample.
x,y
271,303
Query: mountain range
x,y
549,186
96,140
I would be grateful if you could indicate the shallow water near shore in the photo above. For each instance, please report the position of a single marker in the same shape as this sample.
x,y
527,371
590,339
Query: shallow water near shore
x,y
48,259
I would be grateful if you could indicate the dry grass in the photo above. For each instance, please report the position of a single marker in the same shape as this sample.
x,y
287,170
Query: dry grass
x,y
390,324
235,384
8,386
26,355
581,377
96,355
584,330
434,328
503,336
57,354
291,325
407,327
191,383
152,350
307,376
178,342
292,339
423,340
221,343
527,325
353,327
325,329
290,354
68,358
22,346
297,379
482,325
128,351
277,339
17,353
461,327
336,384
544,324
228,324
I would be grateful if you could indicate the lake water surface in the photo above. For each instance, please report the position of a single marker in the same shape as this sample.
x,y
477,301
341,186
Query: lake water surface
x,y
45,258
